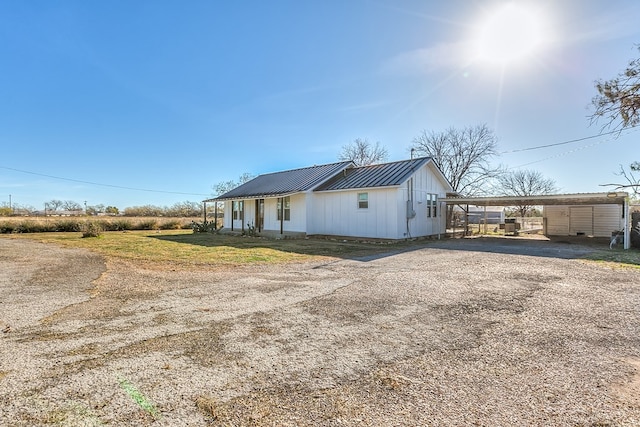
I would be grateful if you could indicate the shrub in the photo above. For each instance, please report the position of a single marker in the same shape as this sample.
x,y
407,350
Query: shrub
x,y
7,228
148,224
34,227
68,225
92,229
120,225
203,227
172,224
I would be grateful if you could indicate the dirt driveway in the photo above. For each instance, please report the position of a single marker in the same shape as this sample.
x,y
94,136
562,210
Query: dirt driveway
x,y
458,332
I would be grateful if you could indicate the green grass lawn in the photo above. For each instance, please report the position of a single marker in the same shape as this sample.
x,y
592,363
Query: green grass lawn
x,y
183,247
186,247
628,257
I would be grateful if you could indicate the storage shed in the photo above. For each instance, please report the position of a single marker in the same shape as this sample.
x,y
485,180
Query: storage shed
x,y
588,214
587,220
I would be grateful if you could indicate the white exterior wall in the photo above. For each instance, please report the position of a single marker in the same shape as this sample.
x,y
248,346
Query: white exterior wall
x,y
298,217
337,212
297,222
425,182
592,220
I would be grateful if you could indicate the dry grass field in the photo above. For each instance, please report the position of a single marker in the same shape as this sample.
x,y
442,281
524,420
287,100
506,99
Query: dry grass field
x,y
38,224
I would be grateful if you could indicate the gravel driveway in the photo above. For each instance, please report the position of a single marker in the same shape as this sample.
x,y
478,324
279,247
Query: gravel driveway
x,y
457,332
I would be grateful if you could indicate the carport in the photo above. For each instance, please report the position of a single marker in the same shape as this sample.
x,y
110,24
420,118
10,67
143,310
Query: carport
x,y
577,205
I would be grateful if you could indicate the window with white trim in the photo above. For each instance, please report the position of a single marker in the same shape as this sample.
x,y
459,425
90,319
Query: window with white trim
x,y
363,200
287,208
432,205
238,209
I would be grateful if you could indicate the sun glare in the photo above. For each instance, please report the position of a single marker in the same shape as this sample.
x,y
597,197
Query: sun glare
x,y
512,33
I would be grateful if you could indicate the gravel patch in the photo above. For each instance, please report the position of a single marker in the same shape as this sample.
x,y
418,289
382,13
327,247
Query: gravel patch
x,y
456,332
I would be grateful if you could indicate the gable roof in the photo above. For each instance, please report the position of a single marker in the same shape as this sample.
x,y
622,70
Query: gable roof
x,y
280,184
381,175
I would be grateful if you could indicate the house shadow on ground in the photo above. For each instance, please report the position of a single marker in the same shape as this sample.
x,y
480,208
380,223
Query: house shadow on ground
x,y
314,246
365,251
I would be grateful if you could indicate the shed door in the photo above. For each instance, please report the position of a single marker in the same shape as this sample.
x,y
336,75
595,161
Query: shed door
x,y
581,220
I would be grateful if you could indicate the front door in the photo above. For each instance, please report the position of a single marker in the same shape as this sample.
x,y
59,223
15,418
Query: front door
x,y
259,214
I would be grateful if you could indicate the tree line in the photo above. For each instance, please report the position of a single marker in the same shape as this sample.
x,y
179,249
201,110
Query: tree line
x,y
70,207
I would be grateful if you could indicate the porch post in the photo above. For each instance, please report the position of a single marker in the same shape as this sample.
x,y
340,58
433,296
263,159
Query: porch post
x,y
282,215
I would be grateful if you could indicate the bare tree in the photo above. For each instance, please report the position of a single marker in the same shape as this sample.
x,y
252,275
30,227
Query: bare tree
x,y
54,204
632,181
363,153
618,101
225,186
463,156
525,182
71,206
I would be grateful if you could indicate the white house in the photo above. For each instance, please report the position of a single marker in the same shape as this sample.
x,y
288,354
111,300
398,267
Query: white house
x,y
394,200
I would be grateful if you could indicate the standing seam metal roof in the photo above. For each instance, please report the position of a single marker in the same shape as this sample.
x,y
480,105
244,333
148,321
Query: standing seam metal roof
x,y
285,182
382,175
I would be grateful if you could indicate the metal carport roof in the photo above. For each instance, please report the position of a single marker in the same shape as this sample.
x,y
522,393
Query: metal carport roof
x,y
615,197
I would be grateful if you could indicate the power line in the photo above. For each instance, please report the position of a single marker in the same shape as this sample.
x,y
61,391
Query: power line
x,y
566,153
102,185
565,142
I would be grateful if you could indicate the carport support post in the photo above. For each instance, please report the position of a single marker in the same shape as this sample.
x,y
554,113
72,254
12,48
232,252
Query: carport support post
x,y
485,219
466,221
627,223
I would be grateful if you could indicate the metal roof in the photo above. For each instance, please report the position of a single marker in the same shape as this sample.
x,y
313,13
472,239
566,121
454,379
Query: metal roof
x,y
542,200
279,184
382,175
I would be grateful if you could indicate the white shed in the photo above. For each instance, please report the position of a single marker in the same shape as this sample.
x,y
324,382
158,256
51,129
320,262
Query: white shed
x,y
587,220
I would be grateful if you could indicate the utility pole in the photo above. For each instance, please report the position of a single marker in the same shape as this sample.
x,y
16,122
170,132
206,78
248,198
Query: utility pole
x,y
85,207
10,210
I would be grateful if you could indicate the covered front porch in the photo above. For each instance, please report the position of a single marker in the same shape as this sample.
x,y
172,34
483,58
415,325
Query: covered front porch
x,y
276,216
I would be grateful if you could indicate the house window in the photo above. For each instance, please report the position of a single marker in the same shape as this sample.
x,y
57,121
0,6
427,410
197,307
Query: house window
x,y
363,200
287,208
432,205
238,210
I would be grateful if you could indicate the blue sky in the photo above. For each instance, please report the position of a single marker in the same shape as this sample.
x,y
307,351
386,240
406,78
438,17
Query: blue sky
x,y
176,96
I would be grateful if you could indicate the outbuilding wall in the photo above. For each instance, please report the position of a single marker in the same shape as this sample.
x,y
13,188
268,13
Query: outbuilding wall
x,y
588,220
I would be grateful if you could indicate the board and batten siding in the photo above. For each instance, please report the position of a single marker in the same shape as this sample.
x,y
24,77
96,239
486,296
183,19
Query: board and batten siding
x,y
298,214
337,212
590,220
297,222
425,182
